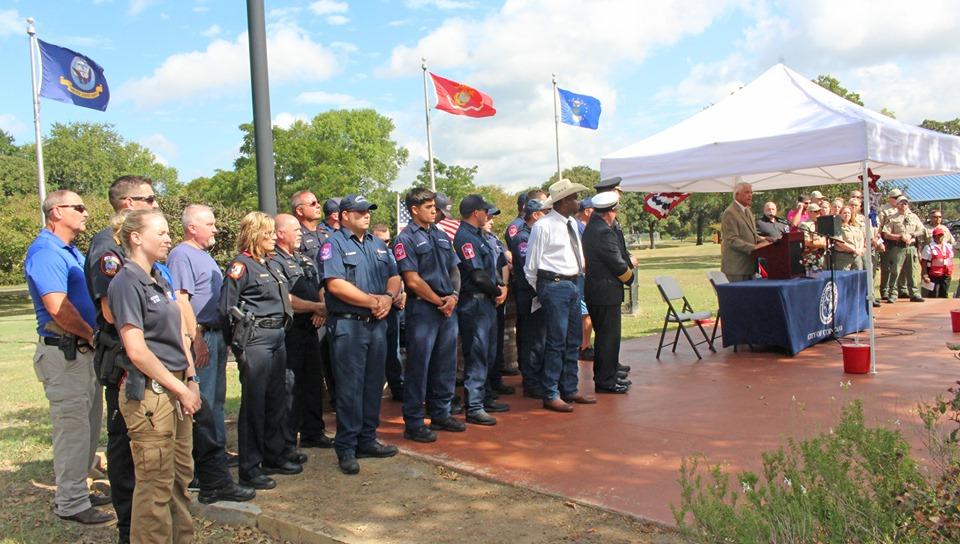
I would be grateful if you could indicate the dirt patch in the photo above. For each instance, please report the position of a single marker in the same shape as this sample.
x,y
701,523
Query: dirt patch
x,y
404,499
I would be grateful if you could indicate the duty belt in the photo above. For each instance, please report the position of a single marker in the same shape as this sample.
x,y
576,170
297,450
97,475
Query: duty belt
x,y
355,317
269,322
55,341
899,243
553,276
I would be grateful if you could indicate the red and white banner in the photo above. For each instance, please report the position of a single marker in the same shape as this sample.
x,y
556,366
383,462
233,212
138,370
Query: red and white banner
x,y
660,204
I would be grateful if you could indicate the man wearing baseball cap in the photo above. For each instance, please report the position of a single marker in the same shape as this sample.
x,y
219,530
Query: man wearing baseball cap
x,y
900,233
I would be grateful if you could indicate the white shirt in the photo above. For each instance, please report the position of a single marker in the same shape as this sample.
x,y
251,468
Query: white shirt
x,y
549,247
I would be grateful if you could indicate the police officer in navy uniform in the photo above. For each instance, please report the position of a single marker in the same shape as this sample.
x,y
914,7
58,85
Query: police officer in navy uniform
x,y
361,286
254,284
331,216
302,342
530,326
477,308
428,264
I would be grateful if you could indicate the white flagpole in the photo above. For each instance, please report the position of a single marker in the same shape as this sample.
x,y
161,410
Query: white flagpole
x,y
35,52
868,264
426,112
556,125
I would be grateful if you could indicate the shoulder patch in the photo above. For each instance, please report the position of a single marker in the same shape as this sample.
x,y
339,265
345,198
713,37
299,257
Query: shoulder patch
x,y
523,249
512,230
399,251
110,264
326,251
468,252
236,270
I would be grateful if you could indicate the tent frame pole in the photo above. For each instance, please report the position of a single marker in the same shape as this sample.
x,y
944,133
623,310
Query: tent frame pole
x,y
868,264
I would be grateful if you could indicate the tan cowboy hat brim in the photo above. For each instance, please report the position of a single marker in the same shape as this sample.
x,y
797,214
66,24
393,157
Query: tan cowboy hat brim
x,y
564,188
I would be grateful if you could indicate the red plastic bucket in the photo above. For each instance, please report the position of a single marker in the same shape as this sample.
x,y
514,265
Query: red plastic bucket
x,y
955,320
856,358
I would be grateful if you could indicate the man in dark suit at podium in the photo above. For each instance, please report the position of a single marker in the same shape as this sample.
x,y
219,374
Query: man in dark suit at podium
x,y
738,232
770,226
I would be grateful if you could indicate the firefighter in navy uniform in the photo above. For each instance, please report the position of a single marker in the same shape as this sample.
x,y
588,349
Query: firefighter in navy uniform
x,y
362,285
302,341
255,300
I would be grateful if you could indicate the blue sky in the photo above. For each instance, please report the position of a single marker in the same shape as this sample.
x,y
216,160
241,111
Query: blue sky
x,y
179,74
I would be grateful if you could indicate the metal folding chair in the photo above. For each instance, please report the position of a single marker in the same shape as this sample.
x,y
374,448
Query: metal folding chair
x,y
671,292
716,278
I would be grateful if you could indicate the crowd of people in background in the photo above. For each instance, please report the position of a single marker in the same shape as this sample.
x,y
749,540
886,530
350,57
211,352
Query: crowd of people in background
x,y
315,303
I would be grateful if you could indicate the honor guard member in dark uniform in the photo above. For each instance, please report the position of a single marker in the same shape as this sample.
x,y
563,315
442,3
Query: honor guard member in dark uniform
x,y
530,331
255,298
361,286
495,386
428,264
304,416
603,290
477,308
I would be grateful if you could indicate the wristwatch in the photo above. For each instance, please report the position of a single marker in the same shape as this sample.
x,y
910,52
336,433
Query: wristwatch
x,y
193,379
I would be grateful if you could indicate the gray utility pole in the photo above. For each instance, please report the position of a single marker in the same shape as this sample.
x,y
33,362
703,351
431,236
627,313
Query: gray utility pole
x,y
262,125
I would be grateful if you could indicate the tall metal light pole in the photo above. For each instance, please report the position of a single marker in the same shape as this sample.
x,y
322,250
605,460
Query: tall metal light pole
x,y
262,126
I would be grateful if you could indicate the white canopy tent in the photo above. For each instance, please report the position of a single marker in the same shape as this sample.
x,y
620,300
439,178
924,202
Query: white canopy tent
x,y
781,131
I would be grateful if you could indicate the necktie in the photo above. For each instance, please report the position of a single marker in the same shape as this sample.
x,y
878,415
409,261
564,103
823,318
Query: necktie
x,y
575,242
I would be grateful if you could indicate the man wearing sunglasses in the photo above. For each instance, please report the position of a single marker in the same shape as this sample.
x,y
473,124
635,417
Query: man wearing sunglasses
x,y
64,356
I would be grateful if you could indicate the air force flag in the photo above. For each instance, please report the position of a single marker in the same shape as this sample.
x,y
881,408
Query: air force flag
x,y
579,110
71,77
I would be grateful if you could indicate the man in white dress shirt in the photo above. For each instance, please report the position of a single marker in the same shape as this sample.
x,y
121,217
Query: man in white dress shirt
x,y
554,268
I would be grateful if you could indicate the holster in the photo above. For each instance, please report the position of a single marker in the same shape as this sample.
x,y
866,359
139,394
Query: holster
x,y
68,345
134,381
242,330
109,349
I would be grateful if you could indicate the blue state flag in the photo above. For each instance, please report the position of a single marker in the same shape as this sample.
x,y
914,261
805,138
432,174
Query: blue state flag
x,y
579,110
71,77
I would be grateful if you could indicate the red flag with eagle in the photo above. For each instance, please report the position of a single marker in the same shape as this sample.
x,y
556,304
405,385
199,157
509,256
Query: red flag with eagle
x,y
460,99
660,204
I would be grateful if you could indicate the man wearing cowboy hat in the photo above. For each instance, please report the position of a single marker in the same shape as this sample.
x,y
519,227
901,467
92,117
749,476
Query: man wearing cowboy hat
x,y
554,268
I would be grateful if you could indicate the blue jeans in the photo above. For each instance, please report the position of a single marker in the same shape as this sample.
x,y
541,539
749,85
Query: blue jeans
x,y
360,352
561,307
213,381
478,324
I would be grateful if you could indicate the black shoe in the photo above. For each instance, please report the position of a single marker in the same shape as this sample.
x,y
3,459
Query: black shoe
x,y
286,468
533,394
916,299
99,499
90,516
625,383
297,457
622,375
616,389
496,407
876,303
481,418
233,460
322,441
505,389
420,434
586,354
194,484
510,371
260,481
377,449
348,464
623,368
230,493
396,394
448,424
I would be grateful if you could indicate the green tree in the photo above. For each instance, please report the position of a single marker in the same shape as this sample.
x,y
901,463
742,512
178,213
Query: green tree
x,y
831,84
87,157
581,174
452,180
7,147
236,188
699,210
946,127
18,176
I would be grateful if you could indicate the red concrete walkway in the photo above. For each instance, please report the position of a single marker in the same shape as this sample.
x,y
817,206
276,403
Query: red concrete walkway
x,y
624,453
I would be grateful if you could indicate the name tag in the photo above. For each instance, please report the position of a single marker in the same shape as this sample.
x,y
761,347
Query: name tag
x,y
350,253
264,275
155,299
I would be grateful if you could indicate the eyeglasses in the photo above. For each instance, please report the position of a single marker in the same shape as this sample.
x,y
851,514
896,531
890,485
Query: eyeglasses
x,y
937,216
77,207
150,199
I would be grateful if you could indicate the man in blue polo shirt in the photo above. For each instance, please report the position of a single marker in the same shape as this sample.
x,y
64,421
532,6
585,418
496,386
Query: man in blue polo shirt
x,y
64,358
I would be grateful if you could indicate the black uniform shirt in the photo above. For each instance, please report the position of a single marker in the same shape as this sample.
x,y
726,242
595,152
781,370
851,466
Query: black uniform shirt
x,y
104,261
429,253
262,285
147,303
311,242
302,278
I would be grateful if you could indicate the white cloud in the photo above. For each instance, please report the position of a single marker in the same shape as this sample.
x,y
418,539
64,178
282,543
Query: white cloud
x,y
346,47
331,99
211,31
337,20
285,119
223,67
11,23
326,7
161,147
12,125
136,7
510,55
441,4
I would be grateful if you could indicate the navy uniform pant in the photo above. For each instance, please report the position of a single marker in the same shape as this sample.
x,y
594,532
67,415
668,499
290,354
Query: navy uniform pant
x,y
262,401
360,351
530,339
495,370
606,343
477,315
430,374
304,398
561,307
394,368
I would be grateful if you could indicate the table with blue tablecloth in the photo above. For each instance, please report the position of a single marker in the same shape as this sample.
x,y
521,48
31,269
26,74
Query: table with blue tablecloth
x,y
793,314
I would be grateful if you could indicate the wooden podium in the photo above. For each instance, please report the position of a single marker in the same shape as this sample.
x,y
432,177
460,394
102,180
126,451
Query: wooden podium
x,y
783,258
